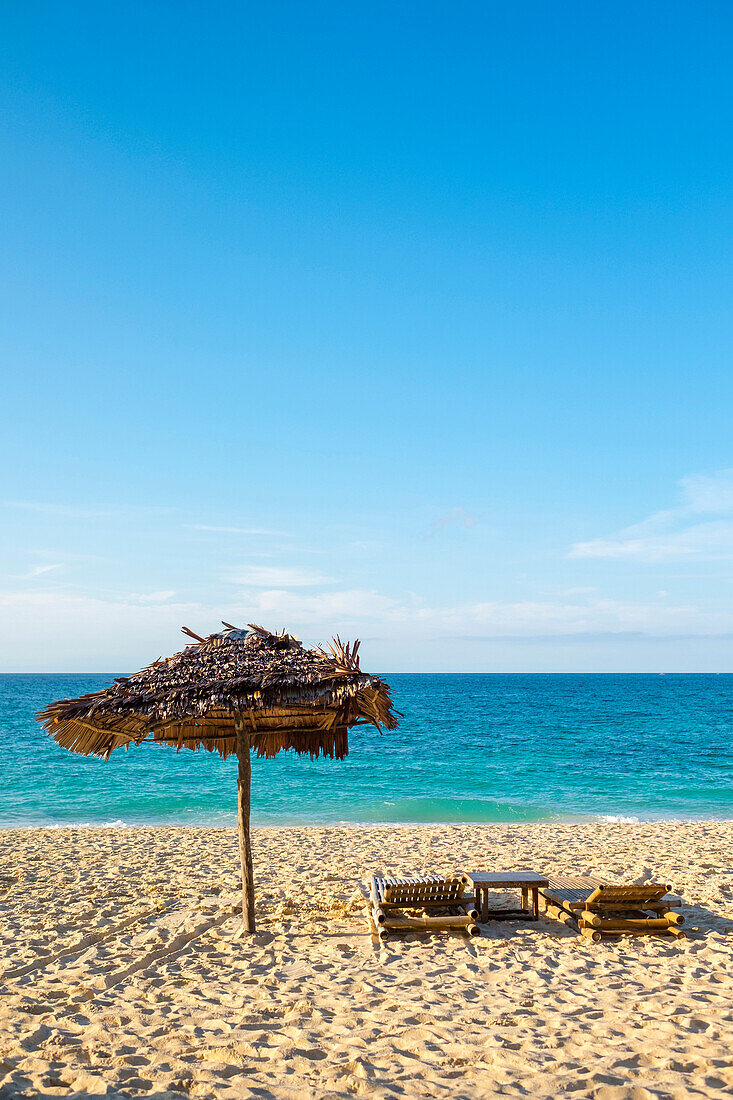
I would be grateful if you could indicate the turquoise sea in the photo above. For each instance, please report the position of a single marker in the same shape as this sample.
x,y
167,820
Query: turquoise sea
x,y
469,748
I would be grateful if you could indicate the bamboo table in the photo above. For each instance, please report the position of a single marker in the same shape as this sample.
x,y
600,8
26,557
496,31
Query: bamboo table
x,y
484,882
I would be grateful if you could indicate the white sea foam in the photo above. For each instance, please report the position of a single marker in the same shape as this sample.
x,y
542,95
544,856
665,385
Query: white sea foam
x,y
119,824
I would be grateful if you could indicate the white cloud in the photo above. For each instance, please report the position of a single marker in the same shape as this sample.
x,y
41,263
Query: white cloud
x,y
267,576
44,508
39,570
709,493
701,526
347,607
234,530
149,597
457,517
362,609
55,630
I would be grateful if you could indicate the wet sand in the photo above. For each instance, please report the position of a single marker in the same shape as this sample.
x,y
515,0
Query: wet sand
x,y
125,972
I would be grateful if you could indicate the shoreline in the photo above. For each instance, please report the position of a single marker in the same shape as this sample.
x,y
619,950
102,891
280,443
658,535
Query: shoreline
x,y
601,819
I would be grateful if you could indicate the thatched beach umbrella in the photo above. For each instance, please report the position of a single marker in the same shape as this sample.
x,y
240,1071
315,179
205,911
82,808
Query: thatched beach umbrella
x,y
230,693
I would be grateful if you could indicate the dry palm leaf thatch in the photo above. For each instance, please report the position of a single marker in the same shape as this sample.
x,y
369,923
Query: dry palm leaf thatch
x,y
288,697
231,692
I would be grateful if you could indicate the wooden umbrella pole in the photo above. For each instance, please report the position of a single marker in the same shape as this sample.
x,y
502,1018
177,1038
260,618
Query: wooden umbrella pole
x,y
244,782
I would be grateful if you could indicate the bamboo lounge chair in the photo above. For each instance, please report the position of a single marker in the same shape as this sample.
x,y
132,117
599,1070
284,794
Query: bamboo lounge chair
x,y
596,907
436,904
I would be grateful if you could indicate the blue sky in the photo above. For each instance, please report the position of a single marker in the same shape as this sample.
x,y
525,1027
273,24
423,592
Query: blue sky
x,y
411,322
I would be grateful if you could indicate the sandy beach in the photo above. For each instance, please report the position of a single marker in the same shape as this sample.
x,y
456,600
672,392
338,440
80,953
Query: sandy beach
x,y
125,973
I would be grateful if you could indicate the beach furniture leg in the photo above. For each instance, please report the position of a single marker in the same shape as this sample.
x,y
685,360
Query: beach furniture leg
x,y
373,930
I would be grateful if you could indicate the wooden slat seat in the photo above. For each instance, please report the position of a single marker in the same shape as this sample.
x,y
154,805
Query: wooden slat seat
x,y
612,896
598,907
395,900
420,890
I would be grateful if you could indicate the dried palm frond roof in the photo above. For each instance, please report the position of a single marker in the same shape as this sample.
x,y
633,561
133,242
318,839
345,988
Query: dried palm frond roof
x,y
288,697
